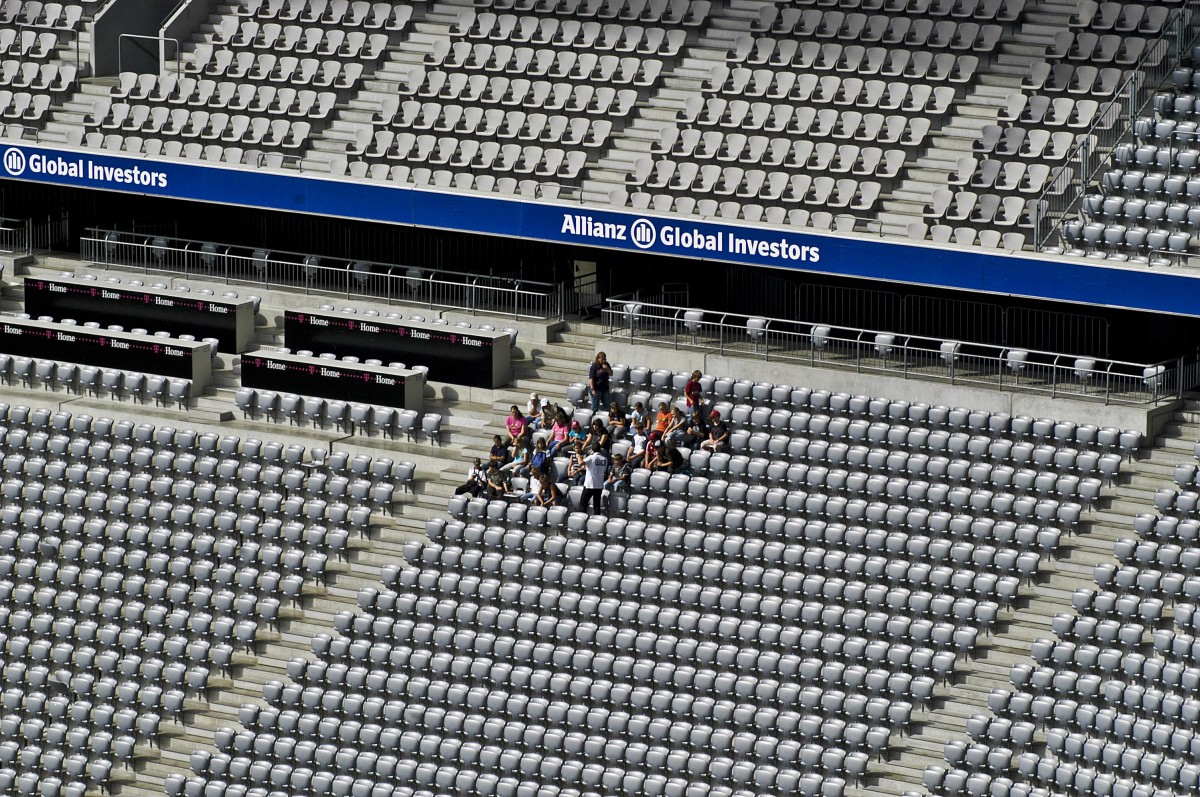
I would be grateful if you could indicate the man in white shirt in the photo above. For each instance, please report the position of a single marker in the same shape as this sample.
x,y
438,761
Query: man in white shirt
x,y
595,470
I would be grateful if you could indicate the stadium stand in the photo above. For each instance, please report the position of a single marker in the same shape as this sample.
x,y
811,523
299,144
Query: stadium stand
x,y
789,616
909,572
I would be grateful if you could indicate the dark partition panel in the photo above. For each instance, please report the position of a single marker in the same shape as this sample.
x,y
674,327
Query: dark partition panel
x,y
230,321
457,356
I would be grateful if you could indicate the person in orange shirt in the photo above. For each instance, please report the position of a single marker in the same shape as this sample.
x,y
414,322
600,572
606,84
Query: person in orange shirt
x,y
663,419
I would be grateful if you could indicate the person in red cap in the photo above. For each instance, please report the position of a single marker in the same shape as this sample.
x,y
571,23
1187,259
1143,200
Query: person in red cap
x,y
718,434
576,434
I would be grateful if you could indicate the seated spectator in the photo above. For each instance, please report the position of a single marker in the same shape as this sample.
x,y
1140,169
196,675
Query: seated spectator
x,y
718,435
559,432
476,480
693,391
549,494
696,430
663,419
533,409
677,427
522,454
576,435
638,442
669,459
515,423
637,415
650,456
575,468
540,459
597,436
498,484
618,477
534,487
499,455
546,415
618,424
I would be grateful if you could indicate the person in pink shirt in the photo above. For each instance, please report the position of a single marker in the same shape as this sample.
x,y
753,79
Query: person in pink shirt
x,y
559,431
515,424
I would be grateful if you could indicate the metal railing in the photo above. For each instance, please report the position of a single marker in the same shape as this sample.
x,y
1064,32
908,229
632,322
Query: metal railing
x,y
1113,123
24,236
910,356
473,293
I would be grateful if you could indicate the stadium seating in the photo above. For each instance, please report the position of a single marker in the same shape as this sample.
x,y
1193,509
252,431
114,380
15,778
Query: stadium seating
x,y
136,563
1144,211
1113,695
767,622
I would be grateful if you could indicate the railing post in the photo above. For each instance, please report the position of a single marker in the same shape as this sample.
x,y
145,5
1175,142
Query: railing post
x,y
29,236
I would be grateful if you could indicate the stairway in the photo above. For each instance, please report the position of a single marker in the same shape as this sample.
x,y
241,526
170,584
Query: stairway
x,y
694,65
430,23
1030,619
994,82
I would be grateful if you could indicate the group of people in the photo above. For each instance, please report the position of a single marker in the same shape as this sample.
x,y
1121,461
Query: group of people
x,y
654,443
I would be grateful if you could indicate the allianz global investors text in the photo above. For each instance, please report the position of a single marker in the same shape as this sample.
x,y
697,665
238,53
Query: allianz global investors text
x,y
644,234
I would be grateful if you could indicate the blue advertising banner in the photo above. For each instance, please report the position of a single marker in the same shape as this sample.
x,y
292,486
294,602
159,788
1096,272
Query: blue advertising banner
x,y
1025,275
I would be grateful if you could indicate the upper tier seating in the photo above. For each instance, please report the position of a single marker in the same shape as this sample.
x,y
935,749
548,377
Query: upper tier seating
x,y
831,115
1146,209
39,60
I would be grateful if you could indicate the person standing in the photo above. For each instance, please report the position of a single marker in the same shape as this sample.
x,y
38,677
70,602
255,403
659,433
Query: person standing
x,y
595,470
693,391
598,375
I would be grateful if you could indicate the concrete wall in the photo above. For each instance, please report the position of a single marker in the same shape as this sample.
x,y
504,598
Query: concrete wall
x,y
111,54
186,20
1148,420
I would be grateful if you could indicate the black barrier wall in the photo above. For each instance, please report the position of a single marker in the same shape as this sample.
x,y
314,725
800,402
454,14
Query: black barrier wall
x,y
307,376
453,355
73,344
230,321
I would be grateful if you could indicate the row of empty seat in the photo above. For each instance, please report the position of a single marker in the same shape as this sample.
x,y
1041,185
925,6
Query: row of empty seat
x,y
66,16
318,412
688,13
51,78
224,95
874,29
342,13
